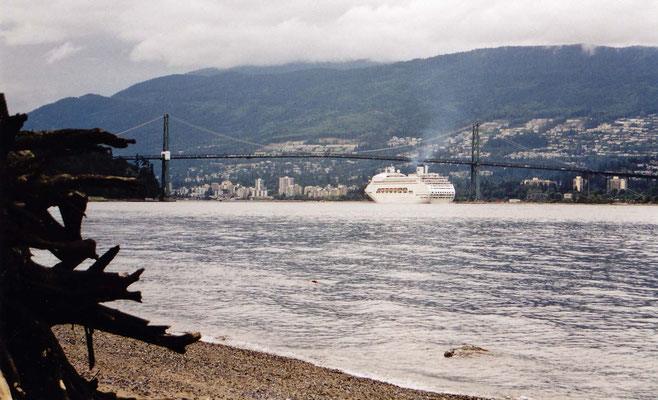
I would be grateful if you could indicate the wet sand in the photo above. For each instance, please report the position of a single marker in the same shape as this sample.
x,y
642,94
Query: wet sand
x,y
213,371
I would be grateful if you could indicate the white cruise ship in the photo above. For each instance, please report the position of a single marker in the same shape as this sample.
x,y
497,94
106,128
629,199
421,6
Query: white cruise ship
x,y
391,186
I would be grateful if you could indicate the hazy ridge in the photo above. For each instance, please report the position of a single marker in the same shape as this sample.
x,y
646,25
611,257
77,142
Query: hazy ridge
x,y
372,103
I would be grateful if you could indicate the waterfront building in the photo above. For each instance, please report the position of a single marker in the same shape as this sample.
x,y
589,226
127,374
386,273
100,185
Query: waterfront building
x,y
617,183
259,191
241,192
216,190
538,182
227,187
311,191
199,192
287,186
579,183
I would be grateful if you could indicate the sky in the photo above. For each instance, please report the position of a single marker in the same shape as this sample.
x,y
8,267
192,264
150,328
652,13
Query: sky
x,y
51,49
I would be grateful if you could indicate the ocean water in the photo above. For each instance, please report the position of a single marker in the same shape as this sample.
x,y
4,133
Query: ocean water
x,y
565,297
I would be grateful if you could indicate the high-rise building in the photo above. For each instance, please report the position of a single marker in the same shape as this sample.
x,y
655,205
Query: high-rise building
x,y
579,183
287,186
241,192
216,190
227,187
259,190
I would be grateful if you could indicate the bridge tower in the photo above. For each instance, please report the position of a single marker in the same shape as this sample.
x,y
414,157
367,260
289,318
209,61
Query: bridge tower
x,y
475,163
166,156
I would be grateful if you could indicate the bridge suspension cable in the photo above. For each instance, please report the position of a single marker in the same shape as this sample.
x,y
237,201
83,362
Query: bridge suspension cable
x,y
558,161
138,126
555,161
206,130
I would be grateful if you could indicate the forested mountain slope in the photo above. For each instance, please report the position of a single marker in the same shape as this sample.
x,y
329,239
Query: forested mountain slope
x,y
371,103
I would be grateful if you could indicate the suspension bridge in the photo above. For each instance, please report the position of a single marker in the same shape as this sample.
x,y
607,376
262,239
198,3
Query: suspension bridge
x,y
475,161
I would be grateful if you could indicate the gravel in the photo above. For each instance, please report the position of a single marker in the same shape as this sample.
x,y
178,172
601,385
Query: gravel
x,y
213,371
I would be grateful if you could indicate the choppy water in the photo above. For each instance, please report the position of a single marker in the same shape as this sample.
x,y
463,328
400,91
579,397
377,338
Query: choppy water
x,y
565,297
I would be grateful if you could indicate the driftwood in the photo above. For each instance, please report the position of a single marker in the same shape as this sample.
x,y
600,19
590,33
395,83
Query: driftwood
x,y
33,297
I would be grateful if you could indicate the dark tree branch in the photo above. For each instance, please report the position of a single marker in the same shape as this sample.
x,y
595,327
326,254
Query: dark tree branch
x,y
33,297
104,260
68,139
72,210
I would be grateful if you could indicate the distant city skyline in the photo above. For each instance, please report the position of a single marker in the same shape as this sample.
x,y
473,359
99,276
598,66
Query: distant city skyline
x,y
68,48
227,190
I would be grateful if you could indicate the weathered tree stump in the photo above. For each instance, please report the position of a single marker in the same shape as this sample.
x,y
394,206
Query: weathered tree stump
x,y
33,297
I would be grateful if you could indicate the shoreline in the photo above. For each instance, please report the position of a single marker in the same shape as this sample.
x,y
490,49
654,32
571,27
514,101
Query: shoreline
x,y
215,371
104,200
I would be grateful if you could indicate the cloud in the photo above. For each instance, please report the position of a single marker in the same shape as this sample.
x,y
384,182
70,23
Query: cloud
x,y
149,37
61,52
229,33
589,49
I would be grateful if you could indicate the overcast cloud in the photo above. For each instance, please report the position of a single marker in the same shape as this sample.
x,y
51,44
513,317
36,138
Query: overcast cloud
x,y
56,48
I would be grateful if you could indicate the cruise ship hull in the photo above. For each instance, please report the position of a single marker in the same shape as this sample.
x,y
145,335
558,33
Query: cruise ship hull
x,y
406,199
393,187
397,199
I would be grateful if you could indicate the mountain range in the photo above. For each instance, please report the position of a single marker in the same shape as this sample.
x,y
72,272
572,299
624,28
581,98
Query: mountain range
x,y
368,102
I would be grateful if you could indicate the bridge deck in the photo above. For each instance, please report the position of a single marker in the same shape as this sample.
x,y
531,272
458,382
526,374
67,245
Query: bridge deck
x,y
585,171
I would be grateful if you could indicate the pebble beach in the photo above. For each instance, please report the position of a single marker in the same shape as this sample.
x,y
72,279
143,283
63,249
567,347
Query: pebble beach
x,y
214,371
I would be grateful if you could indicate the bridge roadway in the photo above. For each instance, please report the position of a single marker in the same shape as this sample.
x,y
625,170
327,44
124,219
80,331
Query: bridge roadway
x,y
585,171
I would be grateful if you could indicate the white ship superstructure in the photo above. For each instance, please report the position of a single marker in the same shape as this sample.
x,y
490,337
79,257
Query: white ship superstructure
x,y
392,186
